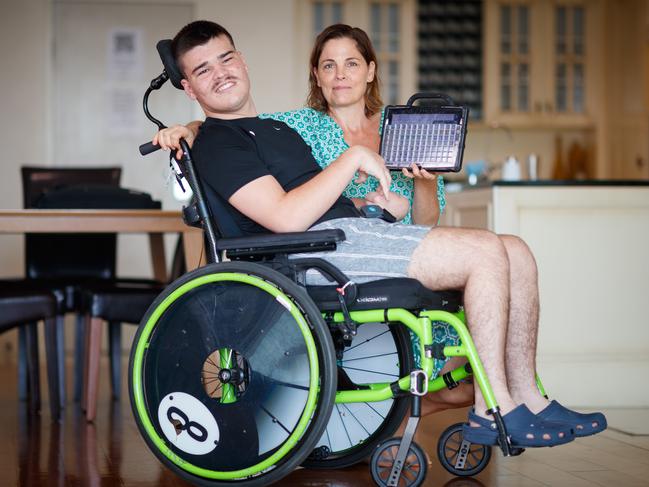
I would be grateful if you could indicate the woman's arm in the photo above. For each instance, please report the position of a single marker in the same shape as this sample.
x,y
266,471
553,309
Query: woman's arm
x,y
425,205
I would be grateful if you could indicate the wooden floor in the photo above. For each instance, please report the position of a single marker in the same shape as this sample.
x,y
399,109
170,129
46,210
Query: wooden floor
x,y
36,452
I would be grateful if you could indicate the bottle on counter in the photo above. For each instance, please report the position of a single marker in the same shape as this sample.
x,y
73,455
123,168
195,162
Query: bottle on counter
x,y
558,169
511,170
532,167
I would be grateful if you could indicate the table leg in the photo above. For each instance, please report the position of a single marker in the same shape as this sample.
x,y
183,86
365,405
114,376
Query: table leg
x,y
156,243
193,247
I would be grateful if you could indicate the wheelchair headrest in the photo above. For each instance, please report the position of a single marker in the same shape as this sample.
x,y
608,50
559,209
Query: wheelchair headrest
x,y
169,63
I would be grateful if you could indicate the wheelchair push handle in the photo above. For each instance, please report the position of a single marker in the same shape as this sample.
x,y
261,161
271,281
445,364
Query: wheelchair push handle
x,y
148,148
430,96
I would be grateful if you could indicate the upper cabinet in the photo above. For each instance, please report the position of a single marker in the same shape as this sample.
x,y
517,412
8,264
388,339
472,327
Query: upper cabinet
x,y
540,62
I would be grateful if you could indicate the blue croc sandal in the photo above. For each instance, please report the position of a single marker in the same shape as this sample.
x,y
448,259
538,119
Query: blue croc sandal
x,y
524,429
582,424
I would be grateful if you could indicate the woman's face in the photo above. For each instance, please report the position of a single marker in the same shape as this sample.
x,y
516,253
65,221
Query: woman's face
x,y
342,73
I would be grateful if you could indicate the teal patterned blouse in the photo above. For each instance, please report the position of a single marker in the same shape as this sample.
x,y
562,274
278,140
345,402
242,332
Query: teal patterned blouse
x,y
325,137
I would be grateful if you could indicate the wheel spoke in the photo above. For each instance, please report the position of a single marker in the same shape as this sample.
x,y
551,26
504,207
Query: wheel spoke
x,y
371,371
475,457
453,441
340,416
275,420
357,420
216,389
374,409
453,458
368,357
367,340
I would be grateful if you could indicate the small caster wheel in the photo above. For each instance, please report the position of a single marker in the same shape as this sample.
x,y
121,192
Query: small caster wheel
x,y
414,468
459,456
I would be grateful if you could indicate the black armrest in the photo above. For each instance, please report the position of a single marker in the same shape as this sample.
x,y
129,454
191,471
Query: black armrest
x,y
284,243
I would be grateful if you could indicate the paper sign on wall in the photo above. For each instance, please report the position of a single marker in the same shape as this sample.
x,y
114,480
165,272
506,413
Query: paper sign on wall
x,y
125,55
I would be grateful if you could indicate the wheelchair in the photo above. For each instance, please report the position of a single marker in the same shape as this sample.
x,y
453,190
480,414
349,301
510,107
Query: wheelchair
x,y
240,372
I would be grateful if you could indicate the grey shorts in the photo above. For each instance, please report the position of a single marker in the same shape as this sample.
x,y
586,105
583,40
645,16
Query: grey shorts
x,y
374,249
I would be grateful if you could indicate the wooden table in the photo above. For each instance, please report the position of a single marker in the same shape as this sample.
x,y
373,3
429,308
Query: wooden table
x,y
152,222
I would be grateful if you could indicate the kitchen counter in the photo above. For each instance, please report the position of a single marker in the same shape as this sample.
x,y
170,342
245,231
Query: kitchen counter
x,y
572,182
591,241
455,186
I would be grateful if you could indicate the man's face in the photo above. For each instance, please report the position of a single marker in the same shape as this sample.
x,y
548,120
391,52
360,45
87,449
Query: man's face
x,y
217,77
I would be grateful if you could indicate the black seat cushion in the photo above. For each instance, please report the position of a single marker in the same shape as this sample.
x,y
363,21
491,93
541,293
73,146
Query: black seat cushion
x,y
388,293
123,302
18,307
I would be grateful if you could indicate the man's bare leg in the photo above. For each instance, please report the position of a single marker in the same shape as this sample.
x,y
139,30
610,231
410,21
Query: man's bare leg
x,y
476,261
522,334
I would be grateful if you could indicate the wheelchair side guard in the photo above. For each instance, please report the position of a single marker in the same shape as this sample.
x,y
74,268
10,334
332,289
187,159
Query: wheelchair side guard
x,y
185,424
284,243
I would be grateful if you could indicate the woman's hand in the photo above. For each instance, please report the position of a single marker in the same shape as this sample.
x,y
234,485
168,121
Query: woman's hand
x,y
425,207
169,138
421,176
397,205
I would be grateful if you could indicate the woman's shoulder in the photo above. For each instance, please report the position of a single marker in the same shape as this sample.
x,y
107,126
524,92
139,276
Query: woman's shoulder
x,y
298,117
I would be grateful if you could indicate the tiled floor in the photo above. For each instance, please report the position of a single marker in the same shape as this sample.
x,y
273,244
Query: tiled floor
x,y
37,452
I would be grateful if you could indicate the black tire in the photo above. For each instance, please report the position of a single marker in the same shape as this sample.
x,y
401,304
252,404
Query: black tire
x,y
414,468
472,458
365,425
247,314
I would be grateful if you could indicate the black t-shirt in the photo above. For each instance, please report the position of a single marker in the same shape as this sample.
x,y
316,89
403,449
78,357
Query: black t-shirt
x,y
232,153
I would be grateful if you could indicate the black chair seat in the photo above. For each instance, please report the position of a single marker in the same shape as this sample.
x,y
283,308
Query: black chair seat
x,y
121,302
18,307
388,293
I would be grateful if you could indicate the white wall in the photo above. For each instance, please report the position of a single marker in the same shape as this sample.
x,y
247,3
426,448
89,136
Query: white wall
x,y
264,32
24,97
26,93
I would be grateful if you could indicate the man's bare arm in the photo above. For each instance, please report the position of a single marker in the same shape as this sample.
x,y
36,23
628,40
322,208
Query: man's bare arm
x,y
169,138
265,201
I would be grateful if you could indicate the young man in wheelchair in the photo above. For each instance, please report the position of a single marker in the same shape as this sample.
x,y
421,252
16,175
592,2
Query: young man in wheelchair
x,y
267,175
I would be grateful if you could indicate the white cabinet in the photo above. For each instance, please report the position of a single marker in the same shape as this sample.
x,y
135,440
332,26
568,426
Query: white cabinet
x,y
541,62
590,244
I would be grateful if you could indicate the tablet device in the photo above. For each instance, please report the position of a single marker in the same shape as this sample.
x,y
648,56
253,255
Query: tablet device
x,y
430,136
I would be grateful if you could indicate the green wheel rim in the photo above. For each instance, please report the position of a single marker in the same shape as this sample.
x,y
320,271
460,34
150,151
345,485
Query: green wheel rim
x,y
138,392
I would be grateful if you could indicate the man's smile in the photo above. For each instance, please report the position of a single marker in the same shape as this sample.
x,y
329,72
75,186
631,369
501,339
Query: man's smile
x,y
226,85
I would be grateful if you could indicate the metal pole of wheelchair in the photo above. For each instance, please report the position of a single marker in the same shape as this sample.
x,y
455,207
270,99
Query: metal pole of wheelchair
x,y
406,441
201,204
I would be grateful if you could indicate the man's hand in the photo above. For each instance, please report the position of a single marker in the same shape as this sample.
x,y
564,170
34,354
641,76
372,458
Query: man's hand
x,y
369,163
397,205
169,138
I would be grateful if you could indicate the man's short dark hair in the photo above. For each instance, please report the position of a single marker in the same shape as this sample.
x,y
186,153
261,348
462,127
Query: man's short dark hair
x,y
195,34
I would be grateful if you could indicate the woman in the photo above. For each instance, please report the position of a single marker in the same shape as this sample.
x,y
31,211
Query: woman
x,y
345,109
